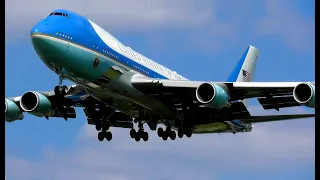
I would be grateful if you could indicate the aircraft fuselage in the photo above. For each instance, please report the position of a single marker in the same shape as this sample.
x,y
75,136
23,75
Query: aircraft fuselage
x,y
80,50
76,48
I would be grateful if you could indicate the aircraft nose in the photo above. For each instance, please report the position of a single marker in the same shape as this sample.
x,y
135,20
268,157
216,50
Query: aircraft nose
x,y
39,28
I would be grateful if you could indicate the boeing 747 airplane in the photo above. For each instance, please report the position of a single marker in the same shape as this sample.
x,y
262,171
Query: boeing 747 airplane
x,y
117,87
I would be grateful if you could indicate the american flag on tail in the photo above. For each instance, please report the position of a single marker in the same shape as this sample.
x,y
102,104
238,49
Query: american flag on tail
x,y
246,76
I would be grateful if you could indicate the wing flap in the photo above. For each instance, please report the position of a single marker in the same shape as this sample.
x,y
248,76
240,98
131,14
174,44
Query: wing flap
x,y
278,102
260,119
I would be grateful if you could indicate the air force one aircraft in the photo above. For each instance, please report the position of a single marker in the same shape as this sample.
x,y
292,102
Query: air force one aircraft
x,y
117,87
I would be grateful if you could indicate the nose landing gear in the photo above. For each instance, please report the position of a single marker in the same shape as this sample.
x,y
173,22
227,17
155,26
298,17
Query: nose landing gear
x,y
60,90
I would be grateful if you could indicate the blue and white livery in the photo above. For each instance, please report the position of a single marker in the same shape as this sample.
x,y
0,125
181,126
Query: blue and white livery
x,y
117,87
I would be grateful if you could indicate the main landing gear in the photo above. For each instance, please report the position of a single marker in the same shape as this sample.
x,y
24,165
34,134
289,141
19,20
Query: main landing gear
x,y
167,133
103,127
103,123
140,134
104,134
100,117
184,131
164,134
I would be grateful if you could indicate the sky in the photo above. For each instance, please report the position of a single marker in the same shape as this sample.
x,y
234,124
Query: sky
x,y
177,34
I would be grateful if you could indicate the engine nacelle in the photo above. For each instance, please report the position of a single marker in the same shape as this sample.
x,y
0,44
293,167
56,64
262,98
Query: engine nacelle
x,y
305,94
36,104
212,95
12,111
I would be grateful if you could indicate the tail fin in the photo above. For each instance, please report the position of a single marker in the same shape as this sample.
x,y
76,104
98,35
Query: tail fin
x,y
245,68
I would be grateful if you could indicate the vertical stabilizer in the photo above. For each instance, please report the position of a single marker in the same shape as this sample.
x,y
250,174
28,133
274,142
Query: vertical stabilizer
x,y
245,68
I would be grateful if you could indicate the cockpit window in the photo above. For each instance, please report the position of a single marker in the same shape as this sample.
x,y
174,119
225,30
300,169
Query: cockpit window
x,y
59,14
65,15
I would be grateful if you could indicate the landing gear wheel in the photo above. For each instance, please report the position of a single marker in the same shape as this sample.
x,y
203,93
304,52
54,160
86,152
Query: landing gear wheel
x,y
160,132
164,136
63,90
172,135
145,136
108,135
180,133
98,127
133,133
137,138
100,136
188,132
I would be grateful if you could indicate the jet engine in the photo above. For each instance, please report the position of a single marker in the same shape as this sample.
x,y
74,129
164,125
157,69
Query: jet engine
x,y
12,111
36,104
305,94
212,95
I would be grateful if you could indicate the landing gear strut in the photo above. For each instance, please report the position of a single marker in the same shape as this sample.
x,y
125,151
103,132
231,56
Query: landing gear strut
x,y
60,90
164,134
140,134
103,127
100,117
103,124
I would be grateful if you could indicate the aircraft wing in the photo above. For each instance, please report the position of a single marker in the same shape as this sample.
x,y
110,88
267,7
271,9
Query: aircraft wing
x,y
222,127
59,107
271,95
63,107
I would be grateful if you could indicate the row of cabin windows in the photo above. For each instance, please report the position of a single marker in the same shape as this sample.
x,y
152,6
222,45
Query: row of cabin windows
x,y
106,52
109,53
63,35
59,14
140,69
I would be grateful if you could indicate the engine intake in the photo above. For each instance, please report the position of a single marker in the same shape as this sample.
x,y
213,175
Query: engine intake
x,y
12,111
212,95
35,104
305,94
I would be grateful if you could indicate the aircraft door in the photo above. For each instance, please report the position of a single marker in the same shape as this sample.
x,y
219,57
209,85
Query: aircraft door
x,y
68,47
